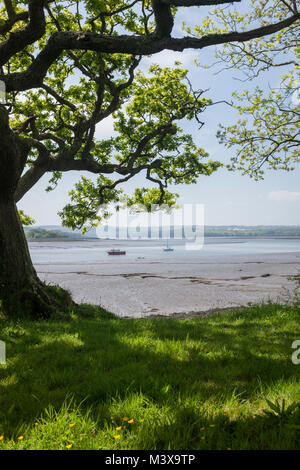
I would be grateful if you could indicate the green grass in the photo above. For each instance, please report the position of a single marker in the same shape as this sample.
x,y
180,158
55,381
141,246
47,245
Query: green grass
x,y
196,383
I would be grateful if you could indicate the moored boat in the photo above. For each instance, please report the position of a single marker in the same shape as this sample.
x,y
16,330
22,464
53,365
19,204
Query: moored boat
x,y
116,251
168,248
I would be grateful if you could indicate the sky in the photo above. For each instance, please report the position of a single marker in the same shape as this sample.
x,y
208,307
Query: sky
x,y
229,198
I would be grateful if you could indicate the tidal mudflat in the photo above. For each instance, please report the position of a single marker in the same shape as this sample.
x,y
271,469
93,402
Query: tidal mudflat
x,y
149,282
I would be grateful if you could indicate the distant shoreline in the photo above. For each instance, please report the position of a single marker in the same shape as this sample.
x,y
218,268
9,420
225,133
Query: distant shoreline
x,y
163,240
64,239
171,232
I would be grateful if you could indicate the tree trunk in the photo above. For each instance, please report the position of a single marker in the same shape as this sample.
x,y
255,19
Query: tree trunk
x,y
15,262
21,291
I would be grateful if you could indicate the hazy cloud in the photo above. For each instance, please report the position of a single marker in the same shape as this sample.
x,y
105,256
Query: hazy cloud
x,y
287,196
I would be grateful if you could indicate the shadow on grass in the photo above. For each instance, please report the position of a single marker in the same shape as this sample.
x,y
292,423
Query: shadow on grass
x,y
193,368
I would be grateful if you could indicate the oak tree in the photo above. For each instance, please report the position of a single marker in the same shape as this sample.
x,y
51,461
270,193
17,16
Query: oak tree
x,y
66,67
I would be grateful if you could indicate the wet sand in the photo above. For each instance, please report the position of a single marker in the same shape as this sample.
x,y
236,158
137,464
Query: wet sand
x,y
142,287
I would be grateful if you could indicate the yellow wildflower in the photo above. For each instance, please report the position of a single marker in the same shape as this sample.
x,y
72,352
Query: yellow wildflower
x,y
125,418
142,420
131,421
69,446
71,425
119,428
1,438
21,438
117,437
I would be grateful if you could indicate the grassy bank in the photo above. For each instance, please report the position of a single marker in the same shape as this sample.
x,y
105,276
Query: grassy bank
x,y
98,382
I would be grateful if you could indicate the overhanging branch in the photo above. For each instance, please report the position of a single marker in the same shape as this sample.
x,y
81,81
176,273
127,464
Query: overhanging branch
x,y
134,45
33,31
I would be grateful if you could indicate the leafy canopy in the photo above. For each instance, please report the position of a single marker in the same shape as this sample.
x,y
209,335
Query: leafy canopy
x,y
268,131
149,139
70,65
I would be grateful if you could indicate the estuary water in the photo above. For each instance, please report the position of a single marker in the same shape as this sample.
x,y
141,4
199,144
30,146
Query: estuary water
x,y
227,271
96,250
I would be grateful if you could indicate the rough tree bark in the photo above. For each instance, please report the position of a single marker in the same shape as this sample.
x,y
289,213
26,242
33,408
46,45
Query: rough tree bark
x,y
19,283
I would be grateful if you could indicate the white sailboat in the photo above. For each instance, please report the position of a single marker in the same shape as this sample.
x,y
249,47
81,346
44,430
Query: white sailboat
x,y
168,248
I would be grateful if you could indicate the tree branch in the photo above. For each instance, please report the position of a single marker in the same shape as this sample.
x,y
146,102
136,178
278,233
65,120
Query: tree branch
x,y
134,45
163,18
29,179
7,26
21,38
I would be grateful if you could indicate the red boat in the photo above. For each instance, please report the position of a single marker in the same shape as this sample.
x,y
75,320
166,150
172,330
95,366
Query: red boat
x,y
116,252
